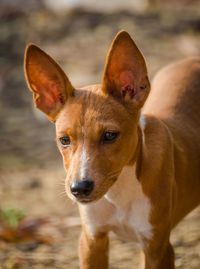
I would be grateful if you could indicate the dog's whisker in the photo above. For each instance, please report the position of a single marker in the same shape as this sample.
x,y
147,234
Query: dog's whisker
x,y
62,194
60,182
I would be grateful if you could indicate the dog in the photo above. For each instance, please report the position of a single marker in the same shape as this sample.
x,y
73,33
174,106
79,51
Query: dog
x,y
132,162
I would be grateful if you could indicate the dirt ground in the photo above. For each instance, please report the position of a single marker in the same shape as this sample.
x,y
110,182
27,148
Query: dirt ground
x,y
31,173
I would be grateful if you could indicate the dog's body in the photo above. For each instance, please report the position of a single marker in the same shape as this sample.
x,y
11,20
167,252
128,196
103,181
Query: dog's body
x,y
180,86
135,174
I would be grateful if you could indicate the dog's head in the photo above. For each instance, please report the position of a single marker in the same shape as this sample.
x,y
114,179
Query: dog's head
x,y
96,126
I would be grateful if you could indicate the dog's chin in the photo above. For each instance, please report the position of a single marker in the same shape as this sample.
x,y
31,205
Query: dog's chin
x,y
88,200
81,200
85,201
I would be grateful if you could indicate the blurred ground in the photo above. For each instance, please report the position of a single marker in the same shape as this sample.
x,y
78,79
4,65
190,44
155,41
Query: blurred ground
x,y
31,168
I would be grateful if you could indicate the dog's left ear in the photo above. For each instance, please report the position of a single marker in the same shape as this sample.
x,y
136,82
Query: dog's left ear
x,y
50,86
125,73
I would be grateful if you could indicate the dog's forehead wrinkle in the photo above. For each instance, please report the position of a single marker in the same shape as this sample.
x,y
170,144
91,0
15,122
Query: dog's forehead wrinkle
x,y
94,99
89,127
104,114
90,110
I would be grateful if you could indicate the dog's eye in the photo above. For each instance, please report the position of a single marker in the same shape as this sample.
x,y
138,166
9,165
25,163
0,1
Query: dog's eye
x,y
65,141
109,137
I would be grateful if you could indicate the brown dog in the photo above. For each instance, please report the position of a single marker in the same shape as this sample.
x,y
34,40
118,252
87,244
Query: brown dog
x,y
135,174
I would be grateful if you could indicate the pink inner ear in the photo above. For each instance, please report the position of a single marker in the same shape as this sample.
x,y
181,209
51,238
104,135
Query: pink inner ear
x,y
49,94
127,84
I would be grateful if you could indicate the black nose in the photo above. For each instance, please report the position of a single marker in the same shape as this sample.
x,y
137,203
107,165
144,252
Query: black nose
x,y
81,188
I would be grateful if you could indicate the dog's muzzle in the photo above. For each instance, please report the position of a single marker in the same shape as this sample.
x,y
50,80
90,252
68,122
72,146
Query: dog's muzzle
x,y
81,189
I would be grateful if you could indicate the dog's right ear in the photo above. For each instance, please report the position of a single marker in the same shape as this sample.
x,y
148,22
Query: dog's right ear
x,y
47,81
125,73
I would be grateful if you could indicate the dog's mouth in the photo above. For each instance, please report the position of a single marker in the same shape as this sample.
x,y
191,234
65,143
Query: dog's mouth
x,y
95,195
85,201
88,200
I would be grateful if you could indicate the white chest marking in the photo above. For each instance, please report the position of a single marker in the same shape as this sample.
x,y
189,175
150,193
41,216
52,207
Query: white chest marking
x,y
124,209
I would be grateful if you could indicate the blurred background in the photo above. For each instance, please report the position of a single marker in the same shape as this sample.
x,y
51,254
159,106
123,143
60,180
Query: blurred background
x,y
39,226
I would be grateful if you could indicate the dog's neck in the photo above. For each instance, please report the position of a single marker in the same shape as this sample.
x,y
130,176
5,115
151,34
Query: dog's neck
x,y
131,206
120,194
129,177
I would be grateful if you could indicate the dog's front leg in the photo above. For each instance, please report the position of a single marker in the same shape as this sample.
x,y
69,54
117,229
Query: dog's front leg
x,y
93,251
160,258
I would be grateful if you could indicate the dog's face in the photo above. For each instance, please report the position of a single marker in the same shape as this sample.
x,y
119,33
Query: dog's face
x,y
96,126
96,136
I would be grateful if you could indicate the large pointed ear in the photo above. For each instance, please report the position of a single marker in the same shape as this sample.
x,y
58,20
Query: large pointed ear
x,y
48,82
125,73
